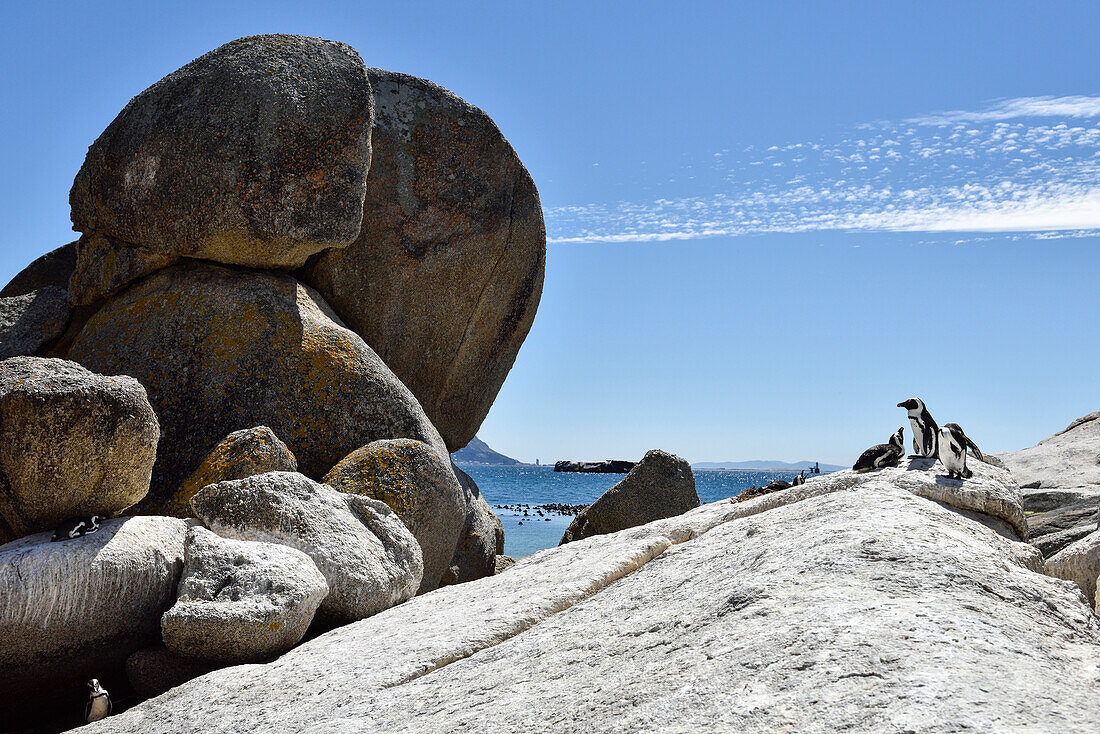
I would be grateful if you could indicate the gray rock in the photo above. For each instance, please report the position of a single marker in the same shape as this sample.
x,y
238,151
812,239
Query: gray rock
x,y
445,277
368,557
255,154
858,607
75,609
503,563
72,443
1079,562
55,268
417,483
31,321
242,454
154,670
222,349
660,485
240,601
482,539
1060,481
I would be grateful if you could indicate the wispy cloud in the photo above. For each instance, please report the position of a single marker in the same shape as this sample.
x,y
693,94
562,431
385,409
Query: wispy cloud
x,y
1012,109
1023,165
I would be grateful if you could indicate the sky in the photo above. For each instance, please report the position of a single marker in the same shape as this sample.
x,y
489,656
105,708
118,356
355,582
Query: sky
x,y
767,223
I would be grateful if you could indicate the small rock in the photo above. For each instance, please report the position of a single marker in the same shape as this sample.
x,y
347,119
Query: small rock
x,y
72,443
502,564
366,554
241,601
661,485
417,483
242,454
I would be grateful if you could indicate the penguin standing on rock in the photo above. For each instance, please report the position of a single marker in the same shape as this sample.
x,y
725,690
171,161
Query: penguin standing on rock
x,y
953,445
883,454
925,430
99,702
800,479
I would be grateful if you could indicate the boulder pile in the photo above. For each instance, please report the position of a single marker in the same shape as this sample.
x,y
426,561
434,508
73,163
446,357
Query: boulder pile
x,y
291,269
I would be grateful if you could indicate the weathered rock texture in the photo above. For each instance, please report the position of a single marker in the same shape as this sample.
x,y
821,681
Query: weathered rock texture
x,y
240,601
482,539
417,483
660,485
255,154
445,277
31,321
75,609
71,443
223,349
1060,481
368,557
55,268
828,607
1079,562
154,670
243,453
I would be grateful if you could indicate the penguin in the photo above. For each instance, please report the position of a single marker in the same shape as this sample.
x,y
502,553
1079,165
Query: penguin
x,y
882,455
76,527
925,430
952,450
99,702
800,479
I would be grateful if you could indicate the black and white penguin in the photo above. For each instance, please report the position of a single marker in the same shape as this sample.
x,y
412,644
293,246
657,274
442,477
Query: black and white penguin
x,y
925,430
952,450
800,479
99,702
882,455
76,527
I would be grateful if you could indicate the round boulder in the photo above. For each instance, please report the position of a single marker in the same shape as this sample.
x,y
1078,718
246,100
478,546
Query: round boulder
x,y
418,484
72,443
240,601
242,454
446,274
255,154
369,558
482,538
660,485
222,349
76,609
31,321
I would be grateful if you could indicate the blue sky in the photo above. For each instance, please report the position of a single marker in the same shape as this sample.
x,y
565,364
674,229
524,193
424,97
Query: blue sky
x,y
768,223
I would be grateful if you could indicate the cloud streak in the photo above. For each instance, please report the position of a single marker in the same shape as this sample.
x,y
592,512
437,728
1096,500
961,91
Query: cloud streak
x,y
1023,165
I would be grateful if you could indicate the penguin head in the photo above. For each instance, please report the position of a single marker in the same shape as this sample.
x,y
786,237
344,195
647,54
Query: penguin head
x,y
912,404
93,685
898,439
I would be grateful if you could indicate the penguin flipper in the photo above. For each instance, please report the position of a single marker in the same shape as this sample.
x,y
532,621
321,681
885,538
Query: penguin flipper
x,y
973,448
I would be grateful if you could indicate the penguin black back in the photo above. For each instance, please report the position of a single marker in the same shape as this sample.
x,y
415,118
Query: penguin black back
x,y
882,455
925,431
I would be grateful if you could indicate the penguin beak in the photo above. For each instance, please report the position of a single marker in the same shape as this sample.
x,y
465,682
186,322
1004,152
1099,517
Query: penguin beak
x,y
901,405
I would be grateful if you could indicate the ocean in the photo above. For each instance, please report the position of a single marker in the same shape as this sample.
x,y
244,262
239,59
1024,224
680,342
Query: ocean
x,y
541,485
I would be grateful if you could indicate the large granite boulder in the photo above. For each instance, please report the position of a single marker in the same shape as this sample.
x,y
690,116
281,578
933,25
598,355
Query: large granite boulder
x,y
417,483
33,320
833,606
368,557
1079,562
72,443
482,539
75,609
223,349
241,454
445,277
660,485
1060,482
240,601
255,154
55,268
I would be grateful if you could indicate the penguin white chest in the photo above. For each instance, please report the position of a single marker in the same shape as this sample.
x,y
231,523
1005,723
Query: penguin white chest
x,y
98,708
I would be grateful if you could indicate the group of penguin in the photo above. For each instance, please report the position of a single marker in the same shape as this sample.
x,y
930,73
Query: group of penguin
x,y
949,444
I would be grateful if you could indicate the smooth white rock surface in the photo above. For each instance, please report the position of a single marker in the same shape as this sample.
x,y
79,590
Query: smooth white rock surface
x,y
1079,562
1070,459
856,606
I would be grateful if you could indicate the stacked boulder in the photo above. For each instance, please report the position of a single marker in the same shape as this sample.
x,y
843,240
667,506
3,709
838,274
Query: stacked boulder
x,y
254,307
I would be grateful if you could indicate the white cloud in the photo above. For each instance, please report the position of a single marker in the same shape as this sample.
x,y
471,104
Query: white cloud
x,y
1020,107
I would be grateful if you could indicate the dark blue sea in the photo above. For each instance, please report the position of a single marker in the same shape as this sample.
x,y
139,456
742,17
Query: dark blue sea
x,y
541,485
